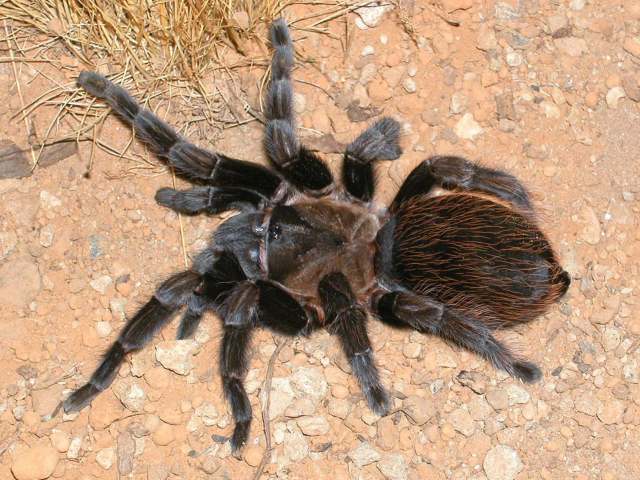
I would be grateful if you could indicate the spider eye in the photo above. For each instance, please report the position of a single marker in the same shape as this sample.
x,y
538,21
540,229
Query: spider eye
x,y
274,232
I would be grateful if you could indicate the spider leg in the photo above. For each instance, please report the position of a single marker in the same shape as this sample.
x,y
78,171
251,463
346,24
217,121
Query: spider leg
x,y
347,320
297,164
403,309
210,199
451,173
156,313
189,160
378,142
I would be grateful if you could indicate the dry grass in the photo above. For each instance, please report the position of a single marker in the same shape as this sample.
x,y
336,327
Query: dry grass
x,y
183,51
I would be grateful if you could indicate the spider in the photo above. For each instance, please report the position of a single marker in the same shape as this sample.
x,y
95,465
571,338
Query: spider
x,y
303,253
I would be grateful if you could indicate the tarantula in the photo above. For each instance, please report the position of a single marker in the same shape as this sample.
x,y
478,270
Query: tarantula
x,y
304,254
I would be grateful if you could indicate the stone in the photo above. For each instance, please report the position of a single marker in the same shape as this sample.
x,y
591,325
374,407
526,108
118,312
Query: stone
x,y
253,456
498,399
176,355
473,380
132,395
339,408
517,395
364,454
313,426
631,85
393,467
36,463
282,395
49,201
20,282
502,463
75,447
46,236
486,39
125,449
46,400
459,102
591,230
409,85
611,411
163,435
105,409
368,73
467,127
614,95
558,26
106,457
101,284
462,422
60,440
505,12
572,46
419,409
577,5
370,15
13,161
103,329
504,106
295,446
309,382
587,403
611,338
513,59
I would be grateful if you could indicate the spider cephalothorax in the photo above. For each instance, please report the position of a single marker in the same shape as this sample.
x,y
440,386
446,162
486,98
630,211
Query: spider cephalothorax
x,y
303,253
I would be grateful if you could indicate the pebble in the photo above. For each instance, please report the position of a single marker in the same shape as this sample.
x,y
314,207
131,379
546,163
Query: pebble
x,y
339,408
370,16
498,399
486,39
409,85
49,201
46,236
176,355
60,440
611,338
309,382
253,455
106,457
611,412
368,50
459,102
462,422
364,454
614,95
517,395
101,284
125,449
103,329
504,106
513,59
75,446
467,127
412,350
163,435
577,5
587,403
393,467
502,463
591,230
313,426
36,463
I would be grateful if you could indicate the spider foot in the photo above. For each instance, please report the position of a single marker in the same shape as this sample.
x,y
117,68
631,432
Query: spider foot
x,y
527,372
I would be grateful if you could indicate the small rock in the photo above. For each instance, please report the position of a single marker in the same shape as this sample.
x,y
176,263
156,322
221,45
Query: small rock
x,y
591,231
125,448
73,452
504,106
459,102
498,399
473,380
313,426
467,127
163,435
177,355
8,242
299,103
309,382
60,440
409,84
587,403
393,467
505,12
577,5
364,454
412,350
253,456
614,95
101,284
462,422
49,201
368,50
36,463
572,46
105,409
502,463
631,85
295,446
103,329
611,412
517,395
513,59
486,38
13,161
131,395
630,372
368,73
281,396
46,236
420,409
370,16
611,338
339,408
550,109
106,457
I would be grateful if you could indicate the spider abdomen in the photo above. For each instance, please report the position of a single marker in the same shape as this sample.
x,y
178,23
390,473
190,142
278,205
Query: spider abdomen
x,y
476,255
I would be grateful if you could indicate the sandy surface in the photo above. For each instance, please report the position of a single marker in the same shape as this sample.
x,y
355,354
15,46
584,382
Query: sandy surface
x,y
547,90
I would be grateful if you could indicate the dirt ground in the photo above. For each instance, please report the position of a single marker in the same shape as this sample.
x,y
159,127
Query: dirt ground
x,y
547,90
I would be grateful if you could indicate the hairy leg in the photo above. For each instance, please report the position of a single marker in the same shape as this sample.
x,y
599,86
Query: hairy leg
x,y
378,142
403,309
211,200
189,160
457,173
347,319
297,164
170,297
